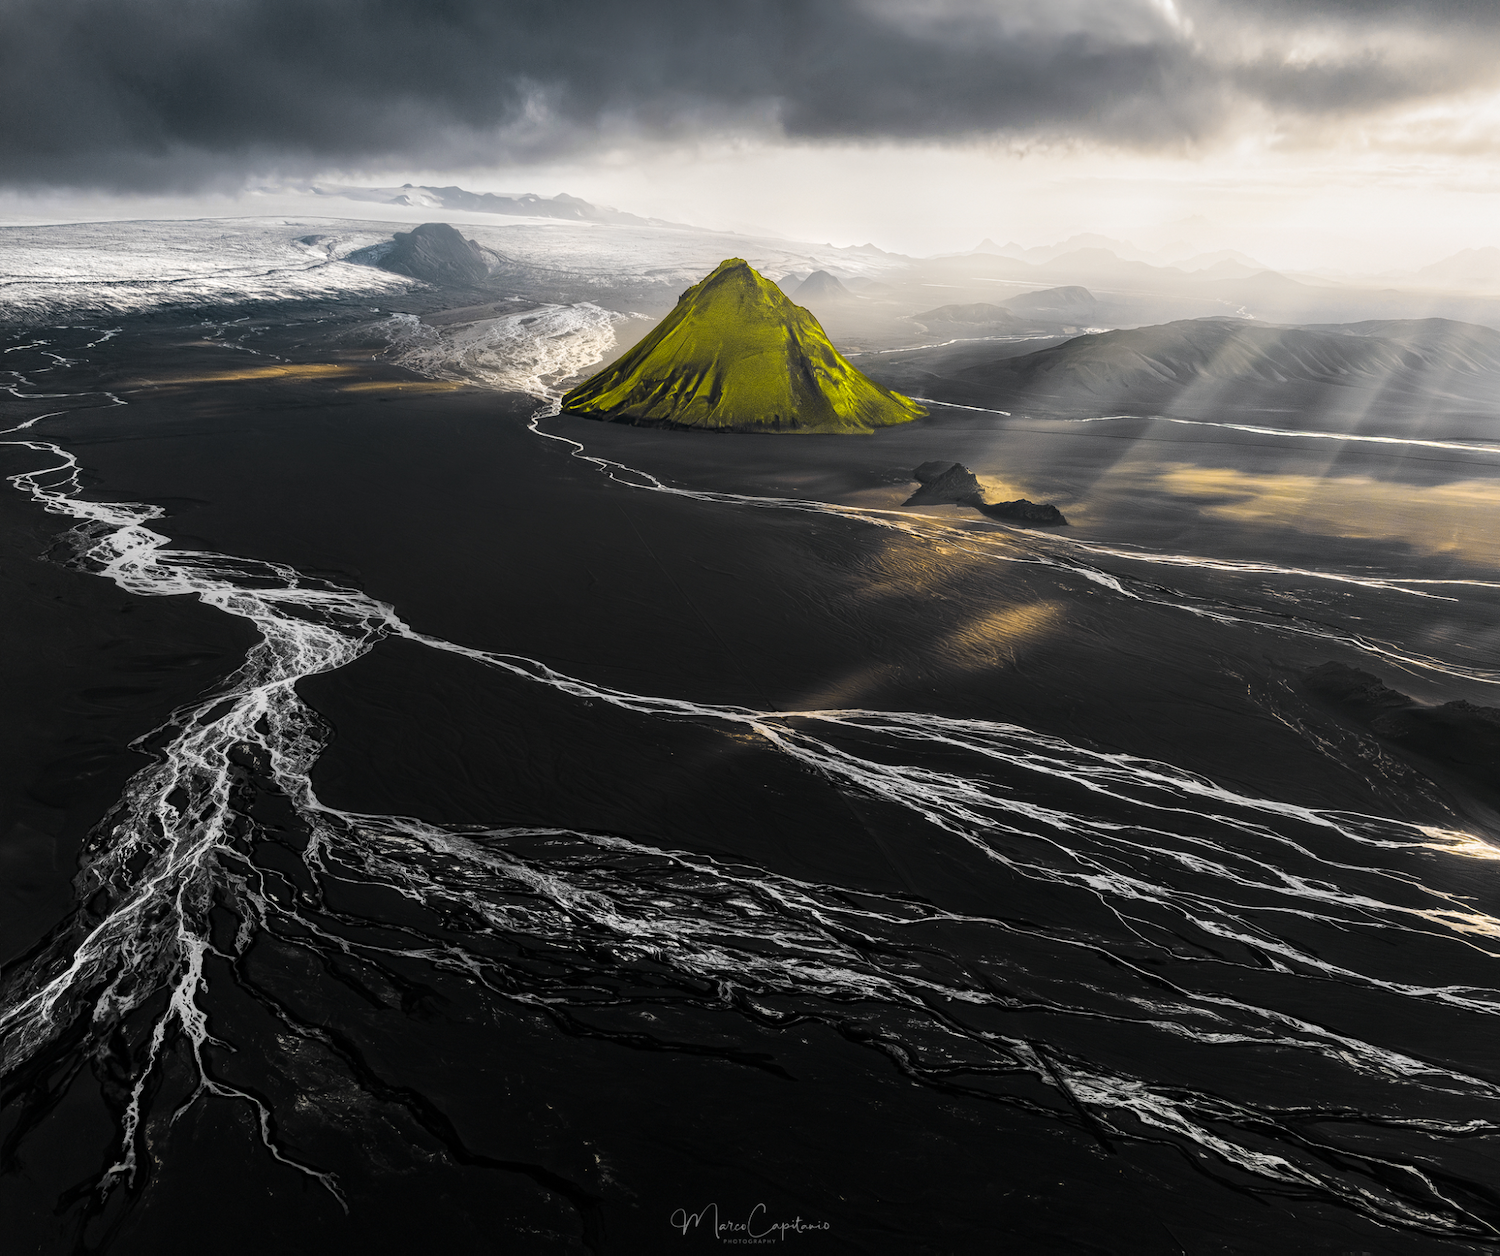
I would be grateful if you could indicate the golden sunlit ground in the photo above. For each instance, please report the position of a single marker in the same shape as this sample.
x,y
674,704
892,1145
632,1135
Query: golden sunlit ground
x,y
304,373
1459,517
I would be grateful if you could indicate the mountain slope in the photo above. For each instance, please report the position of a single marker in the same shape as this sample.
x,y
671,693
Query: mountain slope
x,y
1063,305
975,314
1415,371
821,287
737,355
436,253
1400,353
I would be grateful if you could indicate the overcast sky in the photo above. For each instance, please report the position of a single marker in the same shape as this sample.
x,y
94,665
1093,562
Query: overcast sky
x,y
1312,132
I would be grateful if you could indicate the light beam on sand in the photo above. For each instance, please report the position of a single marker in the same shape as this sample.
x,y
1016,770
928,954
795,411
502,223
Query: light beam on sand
x,y
1461,446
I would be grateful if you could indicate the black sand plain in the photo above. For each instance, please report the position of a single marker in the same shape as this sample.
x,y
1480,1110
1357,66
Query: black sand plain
x,y
465,1116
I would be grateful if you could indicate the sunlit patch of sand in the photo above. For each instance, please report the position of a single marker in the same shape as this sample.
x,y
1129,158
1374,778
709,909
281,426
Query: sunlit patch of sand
x,y
1462,516
305,373
995,638
405,386
846,692
998,490
285,372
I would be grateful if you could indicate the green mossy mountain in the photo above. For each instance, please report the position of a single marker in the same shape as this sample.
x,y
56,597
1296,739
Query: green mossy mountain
x,y
737,356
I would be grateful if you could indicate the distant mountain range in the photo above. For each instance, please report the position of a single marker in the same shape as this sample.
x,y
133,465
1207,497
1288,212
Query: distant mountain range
x,y
820,288
1225,263
1096,256
527,204
1472,268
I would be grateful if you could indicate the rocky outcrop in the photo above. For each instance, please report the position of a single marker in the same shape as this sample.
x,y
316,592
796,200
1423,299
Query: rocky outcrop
x,y
1023,511
953,484
945,484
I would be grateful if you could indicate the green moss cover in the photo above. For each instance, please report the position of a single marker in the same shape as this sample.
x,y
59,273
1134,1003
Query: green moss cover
x,y
737,356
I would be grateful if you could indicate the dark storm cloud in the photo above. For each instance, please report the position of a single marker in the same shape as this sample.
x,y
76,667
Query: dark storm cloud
x,y
154,93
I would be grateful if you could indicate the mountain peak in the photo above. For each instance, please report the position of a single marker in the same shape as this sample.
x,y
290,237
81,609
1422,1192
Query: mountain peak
x,y
437,253
821,286
737,355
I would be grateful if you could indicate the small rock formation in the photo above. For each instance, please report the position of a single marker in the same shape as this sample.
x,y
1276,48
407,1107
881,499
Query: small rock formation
x,y
945,484
1023,510
437,253
953,484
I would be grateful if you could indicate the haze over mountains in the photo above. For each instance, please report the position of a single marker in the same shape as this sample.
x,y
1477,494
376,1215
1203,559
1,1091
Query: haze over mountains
x,y
1193,254
1419,376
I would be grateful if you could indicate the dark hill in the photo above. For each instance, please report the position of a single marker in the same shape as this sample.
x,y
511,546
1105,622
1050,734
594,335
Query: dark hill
x,y
437,253
1460,346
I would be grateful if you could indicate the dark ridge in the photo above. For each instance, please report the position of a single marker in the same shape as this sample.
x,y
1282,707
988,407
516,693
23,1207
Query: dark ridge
x,y
931,470
1353,688
1146,366
978,312
1023,511
1460,735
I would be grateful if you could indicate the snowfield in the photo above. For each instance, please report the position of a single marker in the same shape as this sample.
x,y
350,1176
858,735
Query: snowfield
x,y
120,268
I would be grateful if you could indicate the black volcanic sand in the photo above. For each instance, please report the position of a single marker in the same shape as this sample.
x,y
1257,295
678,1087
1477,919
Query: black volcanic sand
x,y
480,532
86,670
1187,492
